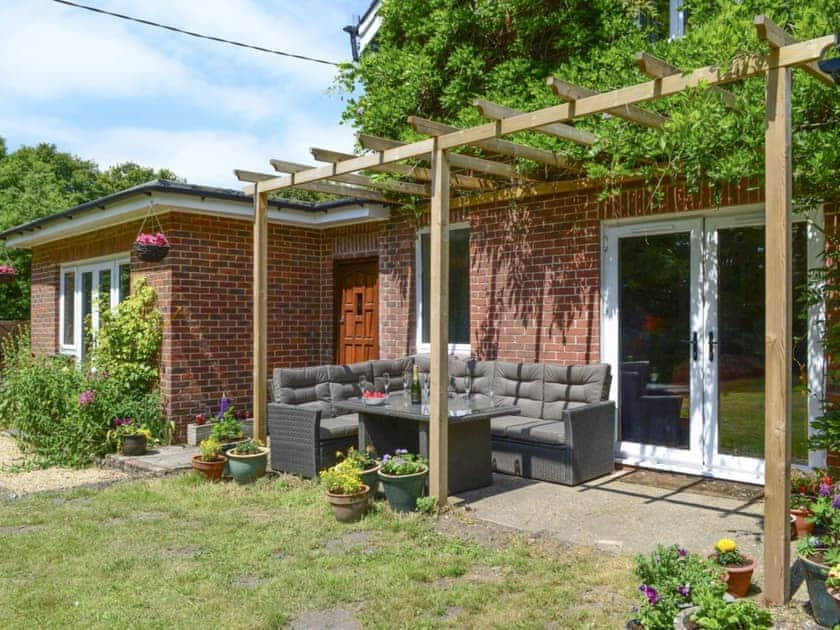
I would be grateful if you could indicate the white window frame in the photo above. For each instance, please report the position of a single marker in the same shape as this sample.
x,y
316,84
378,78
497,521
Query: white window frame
x,y
676,19
77,268
423,347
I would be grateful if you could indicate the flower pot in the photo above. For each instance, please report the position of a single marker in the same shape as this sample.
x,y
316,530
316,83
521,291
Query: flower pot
x,y
803,527
150,253
835,595
212,471
682,620
348,508
739,578
370,478
226,446
825,610
134,445
247,468
402,491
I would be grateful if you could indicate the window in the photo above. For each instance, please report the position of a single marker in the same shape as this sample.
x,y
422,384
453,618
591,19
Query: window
x,y
676,19
459,288
84,287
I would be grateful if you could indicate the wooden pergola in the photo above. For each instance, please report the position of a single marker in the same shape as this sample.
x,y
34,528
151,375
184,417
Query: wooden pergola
x,y
456,174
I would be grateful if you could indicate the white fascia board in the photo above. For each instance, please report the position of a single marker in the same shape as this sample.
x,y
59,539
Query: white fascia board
x,y
369,27
135,209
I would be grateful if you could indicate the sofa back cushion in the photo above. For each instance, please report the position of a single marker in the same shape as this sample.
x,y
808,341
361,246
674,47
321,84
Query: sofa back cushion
x,y
310,385
395,368
567,386
520,384
344,380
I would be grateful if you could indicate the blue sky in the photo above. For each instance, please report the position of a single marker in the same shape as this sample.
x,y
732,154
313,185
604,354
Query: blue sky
x,y
114,91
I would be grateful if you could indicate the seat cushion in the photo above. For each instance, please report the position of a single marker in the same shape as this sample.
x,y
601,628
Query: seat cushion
x,y
566,384
527,429
520,384
346,425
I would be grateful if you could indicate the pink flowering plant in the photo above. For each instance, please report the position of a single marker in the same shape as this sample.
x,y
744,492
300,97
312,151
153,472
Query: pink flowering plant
x,y
157,239
7,270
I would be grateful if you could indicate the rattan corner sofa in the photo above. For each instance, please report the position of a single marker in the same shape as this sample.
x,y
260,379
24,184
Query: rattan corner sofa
x,y
565,432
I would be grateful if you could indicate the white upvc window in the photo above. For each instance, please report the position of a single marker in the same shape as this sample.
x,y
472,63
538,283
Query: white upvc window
x,y
459,289
82,286
676,19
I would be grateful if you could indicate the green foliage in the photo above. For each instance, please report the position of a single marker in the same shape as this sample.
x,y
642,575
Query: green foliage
x,y
433,57
427,505
128,342
227,428
363,460
41,180
717,614
343,478
248,447
672,578
403,463
210,450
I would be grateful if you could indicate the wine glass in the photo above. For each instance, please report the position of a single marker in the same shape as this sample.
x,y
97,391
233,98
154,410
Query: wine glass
x,y
386,386
425,381
468,381
491,394
363,384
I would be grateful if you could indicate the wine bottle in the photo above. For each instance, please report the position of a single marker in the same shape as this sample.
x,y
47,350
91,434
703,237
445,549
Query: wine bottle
x,y
416,396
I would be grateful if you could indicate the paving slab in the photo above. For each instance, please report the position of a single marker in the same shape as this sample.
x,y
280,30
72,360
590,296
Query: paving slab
x,y
161,460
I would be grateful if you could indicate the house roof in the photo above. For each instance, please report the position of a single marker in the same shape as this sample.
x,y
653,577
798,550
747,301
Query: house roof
x,y
165,191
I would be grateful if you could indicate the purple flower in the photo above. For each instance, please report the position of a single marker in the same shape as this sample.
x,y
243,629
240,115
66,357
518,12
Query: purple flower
x,y
836,502
386,458
825,489
683,552
224,405
650,593
684,589
87,397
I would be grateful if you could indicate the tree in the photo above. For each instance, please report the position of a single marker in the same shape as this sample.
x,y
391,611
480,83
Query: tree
x,y
41,180
433,57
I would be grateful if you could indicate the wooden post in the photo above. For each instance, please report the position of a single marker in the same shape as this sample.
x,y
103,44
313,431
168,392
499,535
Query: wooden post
x,y
260,311
777,335
439,330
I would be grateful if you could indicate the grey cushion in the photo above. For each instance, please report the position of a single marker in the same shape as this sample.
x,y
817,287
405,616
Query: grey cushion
x,y
395,368
423,362
484,377
340,426
566,384
344,380
294,386
520,384
529,429
324,407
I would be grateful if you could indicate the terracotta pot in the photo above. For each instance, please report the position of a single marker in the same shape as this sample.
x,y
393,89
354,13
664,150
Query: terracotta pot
x,y
832,459
212,471
803,527
738,579
348,508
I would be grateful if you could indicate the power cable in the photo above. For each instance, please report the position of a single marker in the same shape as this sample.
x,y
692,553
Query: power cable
x,y
175,29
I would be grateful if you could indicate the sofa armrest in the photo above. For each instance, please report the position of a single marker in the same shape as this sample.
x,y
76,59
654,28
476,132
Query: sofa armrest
x,y
295,434
590,436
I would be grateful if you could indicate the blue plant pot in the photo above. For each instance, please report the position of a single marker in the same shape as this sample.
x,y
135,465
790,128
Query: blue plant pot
x,y
823,604
247,468
402,491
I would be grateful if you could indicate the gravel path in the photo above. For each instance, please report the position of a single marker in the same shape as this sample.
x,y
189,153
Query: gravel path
x,y
14,484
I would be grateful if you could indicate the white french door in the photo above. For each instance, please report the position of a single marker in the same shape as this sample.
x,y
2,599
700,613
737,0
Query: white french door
x,y
683,328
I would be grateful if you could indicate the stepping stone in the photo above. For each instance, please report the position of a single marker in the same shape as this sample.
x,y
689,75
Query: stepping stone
x,y
330,619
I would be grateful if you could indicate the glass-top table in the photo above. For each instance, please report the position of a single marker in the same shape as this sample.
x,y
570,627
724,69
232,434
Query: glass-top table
x,y
400,424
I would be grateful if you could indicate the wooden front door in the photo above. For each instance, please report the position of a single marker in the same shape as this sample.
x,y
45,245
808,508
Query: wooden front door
x,y
357,296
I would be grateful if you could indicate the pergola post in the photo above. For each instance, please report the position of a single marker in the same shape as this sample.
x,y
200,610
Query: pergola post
x,y
777,331
260,311
439,329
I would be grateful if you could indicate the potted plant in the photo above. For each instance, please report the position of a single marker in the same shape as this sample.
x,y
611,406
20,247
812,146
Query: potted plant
x,y
403,477
367,465
227,430
151,247
715,612
803,490
132,438
7,274
739,567
832,584
818,553
346,493
210,462
247,460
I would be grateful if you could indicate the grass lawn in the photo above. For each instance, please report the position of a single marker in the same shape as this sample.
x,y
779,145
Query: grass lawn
x,y
178,552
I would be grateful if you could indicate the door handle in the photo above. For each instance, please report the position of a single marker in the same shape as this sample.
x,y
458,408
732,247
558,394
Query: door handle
x,y
712,344
694,344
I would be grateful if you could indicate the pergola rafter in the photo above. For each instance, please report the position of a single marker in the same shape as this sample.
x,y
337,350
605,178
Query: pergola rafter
x,y
407,188
658,68
494,111
776,66
324,186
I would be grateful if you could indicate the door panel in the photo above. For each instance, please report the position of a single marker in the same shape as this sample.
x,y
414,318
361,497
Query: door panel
x,y
357,296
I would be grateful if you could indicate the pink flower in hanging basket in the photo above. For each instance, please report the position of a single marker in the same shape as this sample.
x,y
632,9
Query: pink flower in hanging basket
x,y
157,240
7,270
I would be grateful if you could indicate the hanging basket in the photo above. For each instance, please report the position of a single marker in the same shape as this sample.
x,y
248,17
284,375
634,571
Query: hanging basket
x,y
148,252
7,274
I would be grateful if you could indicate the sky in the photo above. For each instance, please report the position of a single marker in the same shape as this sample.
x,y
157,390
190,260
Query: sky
x,y
114,91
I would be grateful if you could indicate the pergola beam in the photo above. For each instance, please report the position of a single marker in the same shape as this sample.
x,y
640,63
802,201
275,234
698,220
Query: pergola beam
x,y
323,186
777,37
503,147
742,68
571,92
406,188
494,111
458,160
405,170
658,68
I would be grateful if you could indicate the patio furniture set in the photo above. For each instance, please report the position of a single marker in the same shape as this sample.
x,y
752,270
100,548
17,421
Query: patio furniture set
x,y
541,421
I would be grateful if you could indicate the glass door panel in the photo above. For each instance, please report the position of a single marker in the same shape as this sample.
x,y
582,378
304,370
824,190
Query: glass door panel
x,y
87,310
655,322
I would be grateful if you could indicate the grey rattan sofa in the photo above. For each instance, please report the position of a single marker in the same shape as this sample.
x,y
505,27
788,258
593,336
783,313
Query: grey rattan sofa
x,y
565,433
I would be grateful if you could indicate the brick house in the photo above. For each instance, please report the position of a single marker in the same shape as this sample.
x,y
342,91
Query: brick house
x,y
557,275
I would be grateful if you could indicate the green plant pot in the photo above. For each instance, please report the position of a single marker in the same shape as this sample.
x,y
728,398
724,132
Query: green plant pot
x,y
134,445
371,479
247,468
402,491
822,603
226,446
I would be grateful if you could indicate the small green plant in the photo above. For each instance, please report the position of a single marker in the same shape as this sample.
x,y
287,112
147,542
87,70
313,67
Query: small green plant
x,y
210,450
716,613
363,460
249,447
403,463
227,428
427,505
343,478
727,554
